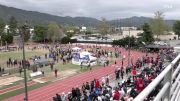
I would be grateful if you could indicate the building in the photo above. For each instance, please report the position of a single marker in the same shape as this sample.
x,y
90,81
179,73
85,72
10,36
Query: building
x,y
126,33
128,28
6,29
83,29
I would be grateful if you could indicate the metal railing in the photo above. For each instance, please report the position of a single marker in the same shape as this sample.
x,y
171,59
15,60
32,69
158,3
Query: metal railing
x,y
170,78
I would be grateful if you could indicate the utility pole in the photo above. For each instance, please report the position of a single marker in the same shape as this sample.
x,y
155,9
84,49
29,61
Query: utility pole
x,y
129,50
24,27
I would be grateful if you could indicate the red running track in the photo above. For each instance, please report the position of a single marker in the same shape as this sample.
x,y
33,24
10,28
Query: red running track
x,y
47,92
13,88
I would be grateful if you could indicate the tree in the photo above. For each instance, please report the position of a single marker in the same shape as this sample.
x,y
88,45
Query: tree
x,y
54,32
7,38
124,42
39,33
12,25
2,25
24,31
66,40
147,35
27,35
103,27
158,25
88,32
176,28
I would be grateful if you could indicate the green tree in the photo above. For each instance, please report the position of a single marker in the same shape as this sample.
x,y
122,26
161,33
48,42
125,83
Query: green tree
x,y
66,40
125,41
12,25
2,25
147,35
27,35
88,32
176,28
158,25
103,27
25,31
39,33
69,34
7,38
54,32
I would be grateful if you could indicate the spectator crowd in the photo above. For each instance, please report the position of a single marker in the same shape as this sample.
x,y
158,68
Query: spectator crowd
x,y
130,81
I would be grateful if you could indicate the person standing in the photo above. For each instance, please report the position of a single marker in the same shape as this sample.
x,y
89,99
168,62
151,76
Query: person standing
x,y
73,93
97,84
58,97
116,96
115,62
107,79
140,85
107,62
63,97
78,94
117,71
81,64
51,65
89,66
134,72
2,70
55,71
20,71
122,73
42,72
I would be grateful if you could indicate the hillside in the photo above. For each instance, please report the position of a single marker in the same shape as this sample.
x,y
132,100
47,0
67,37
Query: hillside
x,y
42,18
137,21
35,18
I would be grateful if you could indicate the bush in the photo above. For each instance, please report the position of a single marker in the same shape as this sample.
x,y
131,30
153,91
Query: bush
x,y
7,38
125,41
66,40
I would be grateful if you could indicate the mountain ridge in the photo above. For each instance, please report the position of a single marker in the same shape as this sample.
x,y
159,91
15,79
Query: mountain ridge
x,y
36,18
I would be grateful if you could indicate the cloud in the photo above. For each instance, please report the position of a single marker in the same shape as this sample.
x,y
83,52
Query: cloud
x,y
110,9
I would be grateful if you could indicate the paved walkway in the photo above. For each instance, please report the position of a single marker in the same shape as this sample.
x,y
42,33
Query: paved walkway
x,y
47,92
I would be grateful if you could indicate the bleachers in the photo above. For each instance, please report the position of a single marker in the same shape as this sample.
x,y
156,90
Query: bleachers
x,y
170,77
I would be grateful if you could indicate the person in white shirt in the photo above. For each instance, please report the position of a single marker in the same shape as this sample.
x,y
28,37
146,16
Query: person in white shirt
x,y
122,92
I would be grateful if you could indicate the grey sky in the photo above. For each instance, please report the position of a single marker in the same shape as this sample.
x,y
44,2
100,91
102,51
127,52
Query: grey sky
x,y
110,9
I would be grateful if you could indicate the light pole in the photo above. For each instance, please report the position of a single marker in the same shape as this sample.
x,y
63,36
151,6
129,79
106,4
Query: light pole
x,y
24,27
129,50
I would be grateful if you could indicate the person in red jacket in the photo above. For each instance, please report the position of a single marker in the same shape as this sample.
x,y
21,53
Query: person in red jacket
x,y
140,85
97,84
156,61
134,72
148,60
135,66
116,96
150,77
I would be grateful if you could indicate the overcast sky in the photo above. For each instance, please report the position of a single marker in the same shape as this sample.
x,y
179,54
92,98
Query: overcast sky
x,y
110,9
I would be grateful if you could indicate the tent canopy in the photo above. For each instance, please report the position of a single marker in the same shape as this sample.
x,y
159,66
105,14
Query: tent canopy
x,y
76,48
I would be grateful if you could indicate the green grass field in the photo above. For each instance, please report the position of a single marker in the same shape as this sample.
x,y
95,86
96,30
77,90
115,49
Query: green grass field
x,y
20,91
4,56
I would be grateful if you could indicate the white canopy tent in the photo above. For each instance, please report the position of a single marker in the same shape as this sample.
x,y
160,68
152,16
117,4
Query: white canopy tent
x,y
76,49
85,57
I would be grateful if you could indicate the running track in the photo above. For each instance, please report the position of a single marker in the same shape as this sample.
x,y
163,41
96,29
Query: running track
x,y
47,92
13,88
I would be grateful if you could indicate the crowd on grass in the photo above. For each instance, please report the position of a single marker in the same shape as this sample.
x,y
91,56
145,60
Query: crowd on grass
x,y
130,81
58,53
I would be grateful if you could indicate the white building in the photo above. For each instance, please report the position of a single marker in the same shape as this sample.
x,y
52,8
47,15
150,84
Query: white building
x,y
128,28
6,28
83,29
126,33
